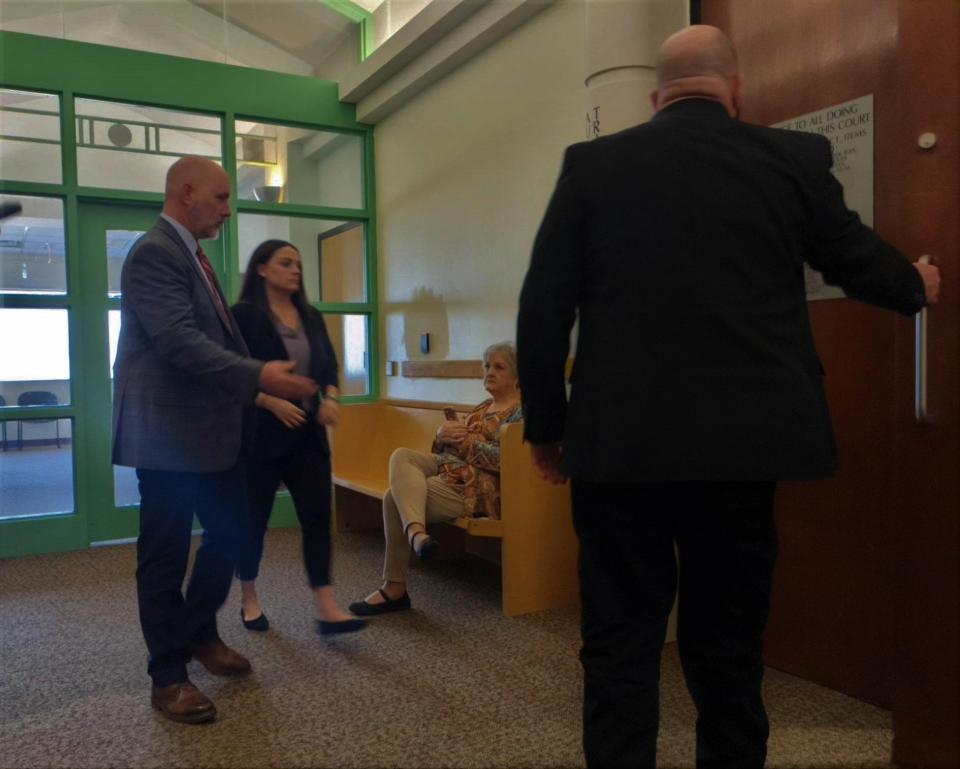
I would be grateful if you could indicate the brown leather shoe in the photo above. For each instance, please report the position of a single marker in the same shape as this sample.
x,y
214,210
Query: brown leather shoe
x,y
221,660
183,702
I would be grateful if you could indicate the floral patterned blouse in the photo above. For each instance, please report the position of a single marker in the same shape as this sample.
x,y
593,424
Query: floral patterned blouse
x,y
474,467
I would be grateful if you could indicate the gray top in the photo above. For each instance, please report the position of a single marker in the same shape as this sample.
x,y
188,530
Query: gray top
x,y
298,350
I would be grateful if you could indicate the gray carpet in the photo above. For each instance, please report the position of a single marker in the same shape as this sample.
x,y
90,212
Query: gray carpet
x,y
453,683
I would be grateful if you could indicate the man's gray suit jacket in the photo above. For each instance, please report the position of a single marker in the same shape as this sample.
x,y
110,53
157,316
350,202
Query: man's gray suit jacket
x,y
182,378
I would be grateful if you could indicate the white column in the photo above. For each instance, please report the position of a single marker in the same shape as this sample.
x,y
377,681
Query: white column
x,y
623,37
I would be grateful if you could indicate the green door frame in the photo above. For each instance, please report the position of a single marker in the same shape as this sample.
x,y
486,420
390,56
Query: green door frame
x,y
71,69
104,520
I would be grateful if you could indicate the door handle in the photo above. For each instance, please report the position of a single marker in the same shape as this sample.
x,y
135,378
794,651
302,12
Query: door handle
x,y
920,409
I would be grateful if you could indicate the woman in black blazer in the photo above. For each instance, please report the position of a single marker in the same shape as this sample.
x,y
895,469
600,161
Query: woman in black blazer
x,y
290,443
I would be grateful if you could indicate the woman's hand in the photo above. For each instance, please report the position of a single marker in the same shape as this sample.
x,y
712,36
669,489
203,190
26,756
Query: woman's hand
x,y
288,413
329,412
452,433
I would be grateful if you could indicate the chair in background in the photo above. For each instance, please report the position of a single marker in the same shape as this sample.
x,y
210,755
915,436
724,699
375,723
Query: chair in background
x,y
36,398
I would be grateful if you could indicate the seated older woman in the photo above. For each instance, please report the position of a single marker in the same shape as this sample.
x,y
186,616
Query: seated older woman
x,y
459,477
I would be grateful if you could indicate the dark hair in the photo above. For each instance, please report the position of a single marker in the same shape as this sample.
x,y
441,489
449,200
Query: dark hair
x,y
253,291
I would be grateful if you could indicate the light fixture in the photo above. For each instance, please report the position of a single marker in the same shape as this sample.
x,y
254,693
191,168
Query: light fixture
x,y
268,193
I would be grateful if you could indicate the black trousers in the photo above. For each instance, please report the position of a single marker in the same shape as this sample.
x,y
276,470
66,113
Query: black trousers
x,y
171,621
726,539
305,470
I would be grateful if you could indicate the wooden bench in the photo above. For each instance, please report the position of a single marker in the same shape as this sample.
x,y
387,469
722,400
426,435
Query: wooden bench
x,y
537,546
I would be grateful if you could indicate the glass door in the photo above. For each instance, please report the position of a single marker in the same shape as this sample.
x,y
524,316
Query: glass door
x,y
107,232
40,433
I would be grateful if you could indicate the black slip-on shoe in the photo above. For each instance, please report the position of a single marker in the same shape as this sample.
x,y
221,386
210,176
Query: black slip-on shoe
x,y
260,623
339,627
429,549
364,609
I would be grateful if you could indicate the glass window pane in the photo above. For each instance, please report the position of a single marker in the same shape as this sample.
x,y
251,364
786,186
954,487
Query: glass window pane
x,y
126,488
131,146
349,335
284,164
332,252
113,332
30,137
34,354
32,253
119,243
37,479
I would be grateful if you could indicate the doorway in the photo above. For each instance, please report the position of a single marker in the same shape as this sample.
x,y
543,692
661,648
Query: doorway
x,y
866,590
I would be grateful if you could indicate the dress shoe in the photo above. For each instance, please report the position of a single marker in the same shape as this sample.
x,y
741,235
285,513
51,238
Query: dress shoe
x,y
260,623
183,702
339,627
367,609
220,659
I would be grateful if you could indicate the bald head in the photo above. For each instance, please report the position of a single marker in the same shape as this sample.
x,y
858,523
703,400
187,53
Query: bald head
x,y
197,195
191,170
697,62
699,50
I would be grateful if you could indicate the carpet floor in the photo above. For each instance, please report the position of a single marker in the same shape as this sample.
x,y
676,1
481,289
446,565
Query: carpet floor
x,y
452,683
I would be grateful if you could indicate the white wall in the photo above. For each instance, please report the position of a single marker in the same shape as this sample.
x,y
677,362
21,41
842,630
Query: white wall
x,y
464,172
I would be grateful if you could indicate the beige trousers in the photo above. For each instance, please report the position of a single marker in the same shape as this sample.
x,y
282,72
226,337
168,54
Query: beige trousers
x,y
416,495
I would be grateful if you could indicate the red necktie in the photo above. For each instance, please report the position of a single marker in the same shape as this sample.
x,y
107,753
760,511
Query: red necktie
x,y
214,285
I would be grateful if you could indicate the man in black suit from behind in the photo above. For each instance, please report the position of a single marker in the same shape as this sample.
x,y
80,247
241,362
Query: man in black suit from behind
x,y
679,244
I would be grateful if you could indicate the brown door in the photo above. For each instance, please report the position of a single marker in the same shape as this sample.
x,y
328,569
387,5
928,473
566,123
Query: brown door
x,y
866,592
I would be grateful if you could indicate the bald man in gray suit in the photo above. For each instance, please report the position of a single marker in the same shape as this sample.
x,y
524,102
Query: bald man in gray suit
x,y
183,380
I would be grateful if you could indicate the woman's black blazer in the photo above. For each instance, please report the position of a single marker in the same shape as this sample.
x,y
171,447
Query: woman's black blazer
x,y
272,437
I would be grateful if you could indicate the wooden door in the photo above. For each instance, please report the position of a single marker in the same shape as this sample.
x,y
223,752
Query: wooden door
x,y
866,589
926,552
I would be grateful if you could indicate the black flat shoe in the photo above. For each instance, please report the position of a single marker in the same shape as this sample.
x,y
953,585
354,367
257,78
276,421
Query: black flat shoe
x,y
364,609
429,547
260,623
325,628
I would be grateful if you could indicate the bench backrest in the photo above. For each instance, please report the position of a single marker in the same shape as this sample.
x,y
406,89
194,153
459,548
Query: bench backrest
x,y
368,433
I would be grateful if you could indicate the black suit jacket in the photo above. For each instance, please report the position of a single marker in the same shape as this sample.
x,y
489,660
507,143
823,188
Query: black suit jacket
x,y
272,438
680,245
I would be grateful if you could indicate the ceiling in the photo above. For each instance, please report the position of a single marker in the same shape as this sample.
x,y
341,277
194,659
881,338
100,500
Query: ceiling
x,y
306,29
286,35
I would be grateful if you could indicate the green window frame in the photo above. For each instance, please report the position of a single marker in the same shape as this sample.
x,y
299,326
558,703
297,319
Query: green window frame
x,y
72,70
